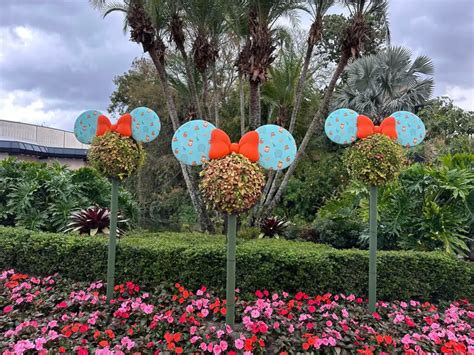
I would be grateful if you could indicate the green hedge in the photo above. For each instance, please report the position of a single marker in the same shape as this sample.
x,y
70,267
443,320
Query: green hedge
x,y
196,259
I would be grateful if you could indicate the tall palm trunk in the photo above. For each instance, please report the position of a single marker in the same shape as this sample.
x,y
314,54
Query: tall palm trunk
x,y
215,98
255,118
242,104
313,38
192,84
189,178
205,93
315,123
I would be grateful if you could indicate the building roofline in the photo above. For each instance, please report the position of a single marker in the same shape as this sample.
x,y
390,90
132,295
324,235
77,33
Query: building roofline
x,y
35,125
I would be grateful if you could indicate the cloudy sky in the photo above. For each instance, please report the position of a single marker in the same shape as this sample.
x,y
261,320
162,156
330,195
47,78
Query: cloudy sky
x,y
58,57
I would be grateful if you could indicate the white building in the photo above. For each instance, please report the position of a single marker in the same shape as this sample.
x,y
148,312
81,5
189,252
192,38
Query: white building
x,y
37,143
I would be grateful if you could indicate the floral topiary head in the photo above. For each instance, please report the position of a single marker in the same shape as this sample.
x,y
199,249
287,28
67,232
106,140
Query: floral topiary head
x,y
232,178
116,149
378,157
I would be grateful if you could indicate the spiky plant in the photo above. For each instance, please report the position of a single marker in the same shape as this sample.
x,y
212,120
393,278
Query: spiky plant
x,y
273,227
93,221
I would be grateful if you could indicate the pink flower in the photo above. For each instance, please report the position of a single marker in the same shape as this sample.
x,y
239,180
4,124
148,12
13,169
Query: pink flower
x,y
328,323
127,342
239,344
189,309
204,312
62,304
7,309
276,325
223,344
255,313
147,309
203,346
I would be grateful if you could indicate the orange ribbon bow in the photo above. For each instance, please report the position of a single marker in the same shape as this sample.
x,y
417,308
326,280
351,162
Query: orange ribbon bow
x,y
122,127
365,127
222,146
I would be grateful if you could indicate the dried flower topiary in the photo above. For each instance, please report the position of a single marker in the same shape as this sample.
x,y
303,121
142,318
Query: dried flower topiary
x,y
375,160
232,184
116,156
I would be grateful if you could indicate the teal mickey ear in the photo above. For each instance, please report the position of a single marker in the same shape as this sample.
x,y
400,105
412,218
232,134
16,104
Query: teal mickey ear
x,y
191,142
276,148
146,124
341,126
410,128
86,126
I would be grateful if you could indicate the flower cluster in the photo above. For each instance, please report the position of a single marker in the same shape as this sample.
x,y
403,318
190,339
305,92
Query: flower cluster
x,y
53,315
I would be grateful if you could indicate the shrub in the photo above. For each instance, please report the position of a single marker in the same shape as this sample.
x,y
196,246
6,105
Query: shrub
x,y
232,184
197,259
115,156
375,160
93,221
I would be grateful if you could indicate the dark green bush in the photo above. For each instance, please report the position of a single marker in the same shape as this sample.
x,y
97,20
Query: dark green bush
x,y
197,259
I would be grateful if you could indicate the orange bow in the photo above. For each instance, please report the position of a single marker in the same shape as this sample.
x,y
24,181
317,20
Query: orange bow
x,y
222,146
365,127
122,127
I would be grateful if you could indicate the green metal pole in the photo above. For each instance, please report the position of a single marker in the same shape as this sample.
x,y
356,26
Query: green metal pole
x,y
373,248
112,240
230,289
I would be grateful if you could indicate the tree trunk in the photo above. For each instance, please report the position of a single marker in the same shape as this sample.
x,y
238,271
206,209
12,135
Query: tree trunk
x,y
242,104
317,120
205,94
313,37
192,84
216,95
255,118
300,88
191,182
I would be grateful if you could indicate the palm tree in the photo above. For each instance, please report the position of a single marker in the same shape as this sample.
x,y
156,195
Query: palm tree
x,y
318,9
206,19
257,54
148,22
380,84
352,44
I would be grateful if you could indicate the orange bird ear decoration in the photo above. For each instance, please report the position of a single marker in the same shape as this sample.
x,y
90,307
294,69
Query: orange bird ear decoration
x,y
344,126
142,125
198,141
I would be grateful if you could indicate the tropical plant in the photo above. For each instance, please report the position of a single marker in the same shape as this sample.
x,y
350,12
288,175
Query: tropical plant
x,y
257,54
273,227
380,84
149,21
318,9
93,221
356,34
41,197
428,208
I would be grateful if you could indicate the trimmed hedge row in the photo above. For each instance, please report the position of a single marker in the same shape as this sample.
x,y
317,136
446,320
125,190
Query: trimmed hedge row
x,y
197,259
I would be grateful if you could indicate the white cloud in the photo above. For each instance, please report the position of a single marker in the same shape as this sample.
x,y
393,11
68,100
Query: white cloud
x,y
462,97
30,107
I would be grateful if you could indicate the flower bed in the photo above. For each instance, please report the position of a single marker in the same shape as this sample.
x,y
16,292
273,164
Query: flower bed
x,y
54,315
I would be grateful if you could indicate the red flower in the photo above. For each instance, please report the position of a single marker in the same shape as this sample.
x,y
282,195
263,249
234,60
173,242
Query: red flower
x,y
96,334
178,350
103,343
110,333
8,309
379,339
376,316
409,322
83,328
82,351
306,346
388,339
259,294
62,304
62,349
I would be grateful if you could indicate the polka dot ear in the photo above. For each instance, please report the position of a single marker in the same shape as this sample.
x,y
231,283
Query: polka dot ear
x,y
145,124
410,128
86,126
276,148
341,126
190,143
